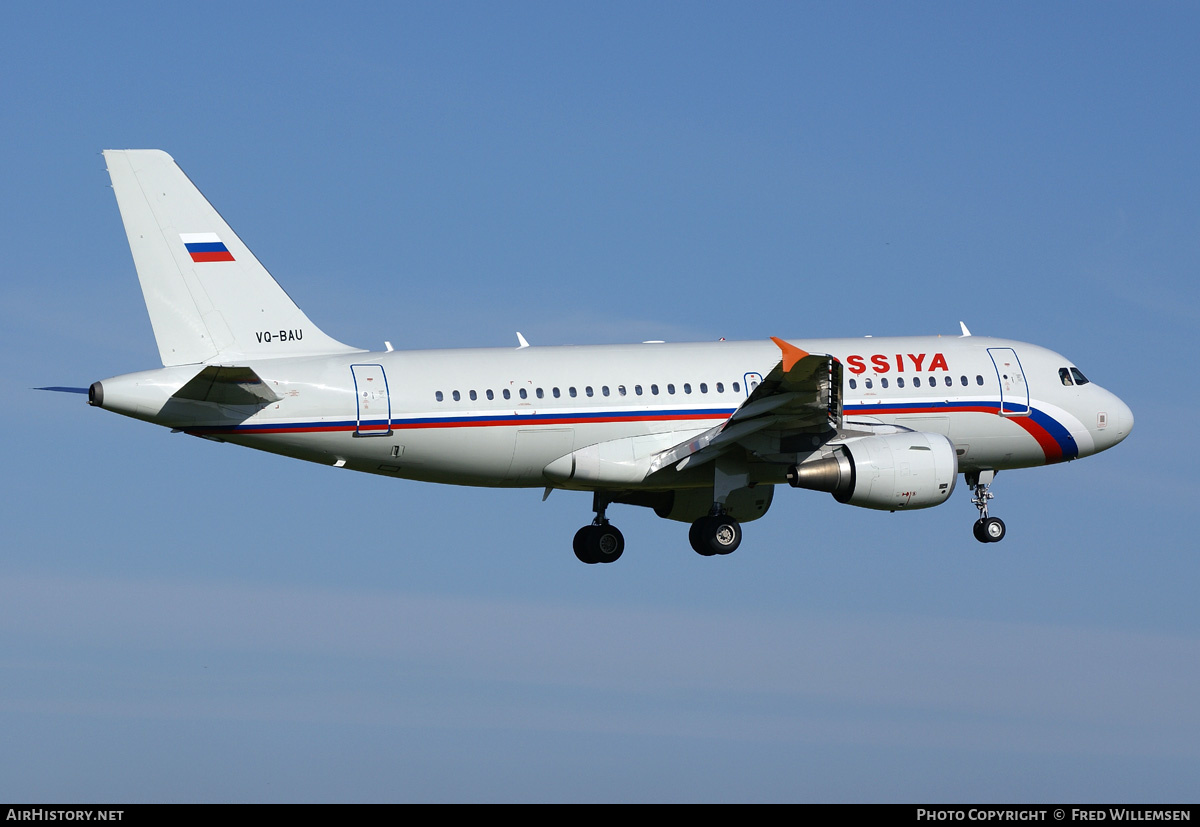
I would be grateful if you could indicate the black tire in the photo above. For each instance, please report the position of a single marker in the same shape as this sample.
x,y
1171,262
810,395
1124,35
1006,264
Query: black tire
x,y
581,545
715,535
993,529
977,530
696,536
605,544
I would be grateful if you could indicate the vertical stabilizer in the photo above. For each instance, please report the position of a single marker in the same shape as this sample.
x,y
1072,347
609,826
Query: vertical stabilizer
x,y
209,298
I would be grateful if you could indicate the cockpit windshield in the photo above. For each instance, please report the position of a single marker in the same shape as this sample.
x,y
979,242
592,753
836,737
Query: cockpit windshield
x,y
1071,376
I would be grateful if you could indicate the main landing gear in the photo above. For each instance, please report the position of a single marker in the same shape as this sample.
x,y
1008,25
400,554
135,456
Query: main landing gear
x,y
986,529
716,533
599,542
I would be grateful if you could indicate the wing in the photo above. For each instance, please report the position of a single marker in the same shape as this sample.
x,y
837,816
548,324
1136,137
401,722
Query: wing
x,y
801,395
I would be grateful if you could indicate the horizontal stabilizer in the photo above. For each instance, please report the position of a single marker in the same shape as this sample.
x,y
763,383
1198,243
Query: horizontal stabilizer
x,y
227,386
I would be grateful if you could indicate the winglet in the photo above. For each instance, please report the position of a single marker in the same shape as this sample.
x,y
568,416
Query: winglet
x,y
965,332
791,353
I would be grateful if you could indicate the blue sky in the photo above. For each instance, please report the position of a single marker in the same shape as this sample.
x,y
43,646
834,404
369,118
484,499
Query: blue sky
x,y
186,621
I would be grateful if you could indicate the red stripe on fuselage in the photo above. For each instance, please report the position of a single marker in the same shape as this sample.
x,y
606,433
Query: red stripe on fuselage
x,y
1050,446
470,423
870,410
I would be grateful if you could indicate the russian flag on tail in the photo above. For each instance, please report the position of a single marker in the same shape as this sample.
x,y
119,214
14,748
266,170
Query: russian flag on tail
x,y
205,247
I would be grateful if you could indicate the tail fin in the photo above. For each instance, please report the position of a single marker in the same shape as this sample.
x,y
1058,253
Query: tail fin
x,y
209,298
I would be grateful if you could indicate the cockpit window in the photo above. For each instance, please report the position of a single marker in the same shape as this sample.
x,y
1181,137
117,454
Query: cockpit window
x,y
1080,379
1064,376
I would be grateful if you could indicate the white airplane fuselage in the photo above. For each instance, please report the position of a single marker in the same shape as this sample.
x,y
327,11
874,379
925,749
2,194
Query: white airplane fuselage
x,y
500,416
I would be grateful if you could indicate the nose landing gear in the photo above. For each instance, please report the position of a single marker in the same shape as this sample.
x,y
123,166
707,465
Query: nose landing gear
x,y
986,529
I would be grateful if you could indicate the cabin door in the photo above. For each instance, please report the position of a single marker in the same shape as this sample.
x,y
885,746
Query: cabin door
x,y
1014,393
374,417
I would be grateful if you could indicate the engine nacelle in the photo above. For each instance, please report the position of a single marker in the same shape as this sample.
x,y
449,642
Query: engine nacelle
x,y
905,470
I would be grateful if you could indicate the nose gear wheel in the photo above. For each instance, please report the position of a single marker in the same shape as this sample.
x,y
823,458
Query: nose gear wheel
x,y
986,529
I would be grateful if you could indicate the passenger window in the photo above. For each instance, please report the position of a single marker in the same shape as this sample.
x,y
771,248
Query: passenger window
x,y
720,387
438,396
949,381
523,393
621,390
571,392
899,381
964,381
490,395
507,393
637,389
853,384
883,382
539,393
555,392
588,391
604,390
457,396
867,383
703,387
978,379
737,388
916,381
670,389
473,396
654,389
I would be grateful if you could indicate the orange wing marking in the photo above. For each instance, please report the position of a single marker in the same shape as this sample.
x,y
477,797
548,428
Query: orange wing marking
x,y
791,353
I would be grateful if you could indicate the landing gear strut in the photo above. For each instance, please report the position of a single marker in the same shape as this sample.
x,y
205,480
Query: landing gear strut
x,y
986,529
716,533
599,542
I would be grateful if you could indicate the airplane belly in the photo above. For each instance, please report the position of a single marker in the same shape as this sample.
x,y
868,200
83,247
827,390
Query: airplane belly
x,y
470,456
493,455
536,448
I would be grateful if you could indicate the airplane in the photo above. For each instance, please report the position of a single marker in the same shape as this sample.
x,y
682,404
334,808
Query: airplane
x,y
700,432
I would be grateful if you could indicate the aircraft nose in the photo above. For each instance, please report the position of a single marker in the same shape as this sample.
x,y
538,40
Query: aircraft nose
x,y
1124,420
1120,422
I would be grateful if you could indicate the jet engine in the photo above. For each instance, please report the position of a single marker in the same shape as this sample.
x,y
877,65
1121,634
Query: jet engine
x,y
904,470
